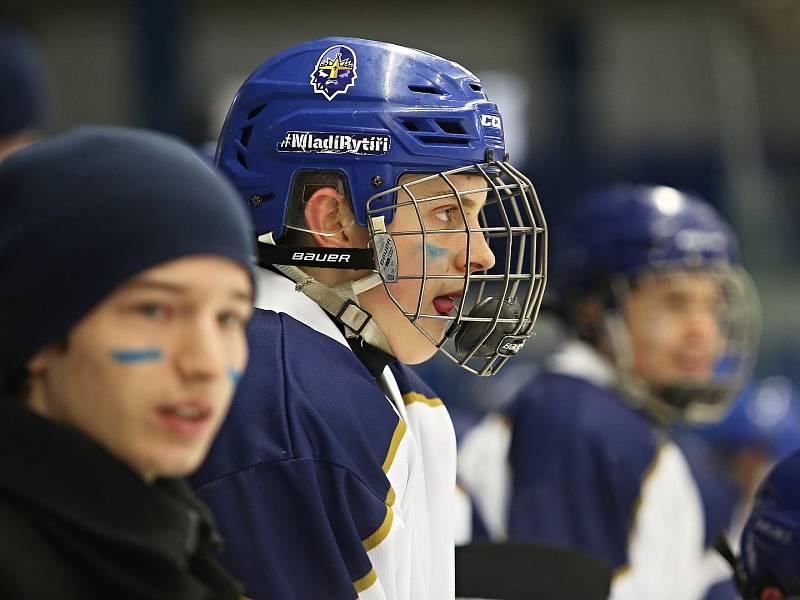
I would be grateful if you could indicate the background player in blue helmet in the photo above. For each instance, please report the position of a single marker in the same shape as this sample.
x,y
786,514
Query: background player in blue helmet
x,y
663,330
390,226
769,566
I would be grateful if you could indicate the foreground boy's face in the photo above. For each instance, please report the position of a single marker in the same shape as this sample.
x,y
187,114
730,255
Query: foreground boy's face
x,y
150,372
445,254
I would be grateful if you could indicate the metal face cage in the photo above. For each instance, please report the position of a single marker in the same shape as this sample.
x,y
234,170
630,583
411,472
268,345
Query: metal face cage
x,y
470,275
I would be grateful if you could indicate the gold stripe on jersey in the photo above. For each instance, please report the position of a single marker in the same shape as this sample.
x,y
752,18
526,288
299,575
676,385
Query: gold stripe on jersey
x,y
411,397
390,497
382,531
380,534
397,437
366,581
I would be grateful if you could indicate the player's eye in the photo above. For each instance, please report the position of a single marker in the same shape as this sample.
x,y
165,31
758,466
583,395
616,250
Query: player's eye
x,y
231,319
447,215
152,310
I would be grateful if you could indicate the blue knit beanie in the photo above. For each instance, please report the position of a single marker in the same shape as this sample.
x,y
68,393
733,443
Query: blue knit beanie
x,y
83,212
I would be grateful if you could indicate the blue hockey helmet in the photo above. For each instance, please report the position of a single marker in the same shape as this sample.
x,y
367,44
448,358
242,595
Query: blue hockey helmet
x,y
624,229
370,110
624,235
770,543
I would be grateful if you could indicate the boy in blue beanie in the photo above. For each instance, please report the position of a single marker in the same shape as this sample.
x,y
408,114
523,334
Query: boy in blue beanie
x,y
125,289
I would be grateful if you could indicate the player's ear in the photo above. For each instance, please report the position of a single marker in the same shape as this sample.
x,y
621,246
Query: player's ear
x,y
328,214
40,362
37,364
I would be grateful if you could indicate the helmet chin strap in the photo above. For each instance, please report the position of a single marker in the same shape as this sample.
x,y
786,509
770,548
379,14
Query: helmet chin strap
x,y
340,302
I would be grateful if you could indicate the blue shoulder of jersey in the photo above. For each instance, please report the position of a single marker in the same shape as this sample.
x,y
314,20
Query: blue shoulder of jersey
x,y
578,455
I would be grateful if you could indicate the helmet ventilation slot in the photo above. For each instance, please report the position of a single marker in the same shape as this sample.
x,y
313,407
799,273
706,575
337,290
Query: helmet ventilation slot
x,y
428,89
255,112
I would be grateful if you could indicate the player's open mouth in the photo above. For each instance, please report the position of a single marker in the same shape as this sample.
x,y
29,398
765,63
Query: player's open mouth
x,y
186,419
446,304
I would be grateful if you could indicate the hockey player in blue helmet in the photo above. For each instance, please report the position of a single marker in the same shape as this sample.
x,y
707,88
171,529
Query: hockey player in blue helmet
x,y
662,323
769,565
390,225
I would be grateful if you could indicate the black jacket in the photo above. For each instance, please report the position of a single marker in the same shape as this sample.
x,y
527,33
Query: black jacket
x,y
76,523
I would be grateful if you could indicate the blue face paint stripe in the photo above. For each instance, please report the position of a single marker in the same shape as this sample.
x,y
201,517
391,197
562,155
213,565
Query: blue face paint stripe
x,y
131,356
434,252
234,375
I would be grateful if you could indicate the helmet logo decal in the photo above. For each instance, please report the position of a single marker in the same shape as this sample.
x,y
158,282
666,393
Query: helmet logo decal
x,y
491,121
335,72
697,240
321,142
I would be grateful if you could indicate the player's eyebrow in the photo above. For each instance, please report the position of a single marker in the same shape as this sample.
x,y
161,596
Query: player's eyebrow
x,y
467,200
472,205
179,289
154,284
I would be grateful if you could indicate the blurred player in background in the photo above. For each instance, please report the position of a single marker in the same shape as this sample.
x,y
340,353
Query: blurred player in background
x,y
126,287
377,179
23,89
664,324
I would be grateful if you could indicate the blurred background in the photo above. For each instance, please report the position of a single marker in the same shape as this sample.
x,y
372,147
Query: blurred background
x,y
701,95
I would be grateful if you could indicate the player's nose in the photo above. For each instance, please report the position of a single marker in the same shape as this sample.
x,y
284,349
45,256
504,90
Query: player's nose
x,y
481,257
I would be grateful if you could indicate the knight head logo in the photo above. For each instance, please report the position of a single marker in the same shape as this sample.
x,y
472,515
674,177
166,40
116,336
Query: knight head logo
x,y
335,72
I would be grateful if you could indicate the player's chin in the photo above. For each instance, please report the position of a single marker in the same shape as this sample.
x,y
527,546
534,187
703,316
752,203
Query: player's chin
x,y
415,347
682,378
698,371
176,462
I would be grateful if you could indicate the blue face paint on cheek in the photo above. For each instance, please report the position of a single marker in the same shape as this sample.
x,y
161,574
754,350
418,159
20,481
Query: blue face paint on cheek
x,y
234,375
137,356
433,252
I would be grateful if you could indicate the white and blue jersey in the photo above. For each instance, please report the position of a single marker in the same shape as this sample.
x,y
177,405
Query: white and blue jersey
x,y
323,485
568,463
